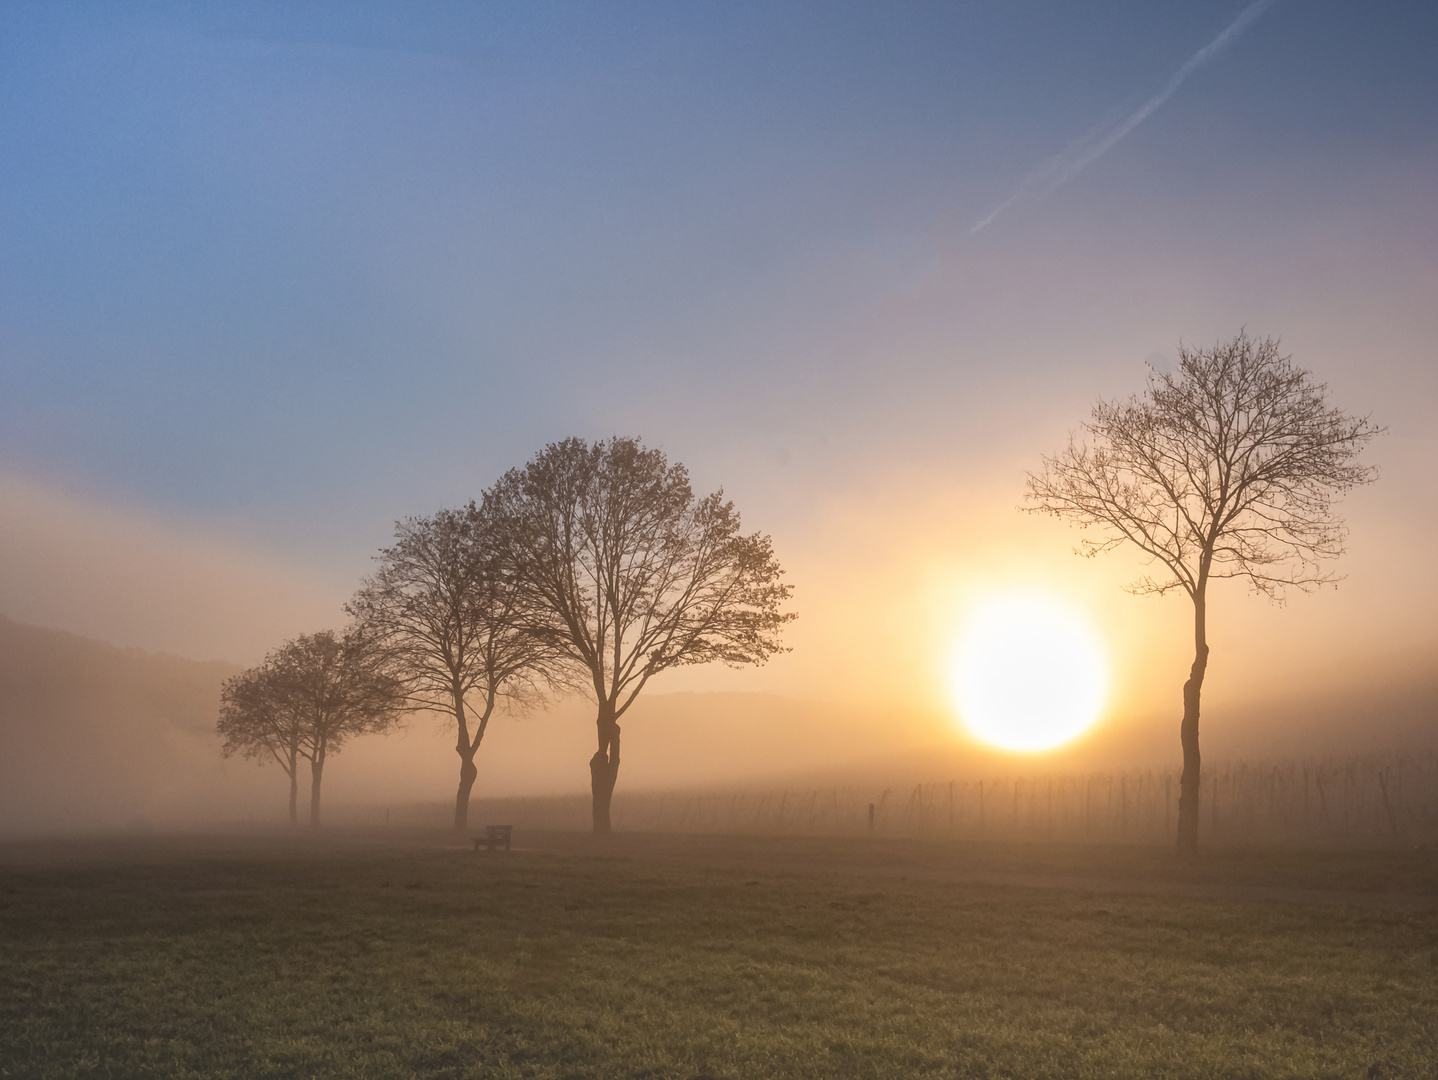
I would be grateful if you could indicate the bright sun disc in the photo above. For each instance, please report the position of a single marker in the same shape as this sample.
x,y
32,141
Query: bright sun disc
x,y
1027,674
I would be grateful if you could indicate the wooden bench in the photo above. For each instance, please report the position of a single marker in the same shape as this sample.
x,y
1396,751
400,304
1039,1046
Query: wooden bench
x,y
494,836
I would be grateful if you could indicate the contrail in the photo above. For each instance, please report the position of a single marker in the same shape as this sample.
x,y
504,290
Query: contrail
x,y
1094,144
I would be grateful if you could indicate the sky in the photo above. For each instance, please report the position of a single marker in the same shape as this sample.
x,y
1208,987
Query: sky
x,y
273,276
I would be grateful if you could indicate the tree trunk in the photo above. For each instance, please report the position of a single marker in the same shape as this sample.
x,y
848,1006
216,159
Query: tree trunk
x,y
604,769
465,749
1188,732
294,788
467,773
317,770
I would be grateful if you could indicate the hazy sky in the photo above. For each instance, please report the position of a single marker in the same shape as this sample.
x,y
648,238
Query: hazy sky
x,y
273,275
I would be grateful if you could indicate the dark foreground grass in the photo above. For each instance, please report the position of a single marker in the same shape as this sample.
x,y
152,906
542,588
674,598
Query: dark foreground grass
x,y
255,958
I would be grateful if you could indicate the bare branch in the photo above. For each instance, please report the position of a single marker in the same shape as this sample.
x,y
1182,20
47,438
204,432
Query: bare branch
x,y
1229,467
452,621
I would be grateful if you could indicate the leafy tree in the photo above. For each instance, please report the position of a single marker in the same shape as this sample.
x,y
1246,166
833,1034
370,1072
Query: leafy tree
x,y
451,620
631,575
1228,468
307,699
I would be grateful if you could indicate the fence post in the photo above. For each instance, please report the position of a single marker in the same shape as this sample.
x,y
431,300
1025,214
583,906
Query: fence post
x,y
1323,803
1167,801
1387,808
1305,798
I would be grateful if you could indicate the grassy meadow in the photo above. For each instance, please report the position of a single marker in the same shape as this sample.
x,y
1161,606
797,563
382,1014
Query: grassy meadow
x,y
381,955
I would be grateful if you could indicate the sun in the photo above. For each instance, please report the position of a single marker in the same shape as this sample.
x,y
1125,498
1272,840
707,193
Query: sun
x,y
1028,673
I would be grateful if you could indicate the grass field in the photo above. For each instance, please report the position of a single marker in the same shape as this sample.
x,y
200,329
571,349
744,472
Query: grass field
x,y
254,956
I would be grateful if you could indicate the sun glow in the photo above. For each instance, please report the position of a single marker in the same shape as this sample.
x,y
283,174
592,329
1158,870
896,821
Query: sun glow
x,y
1027,674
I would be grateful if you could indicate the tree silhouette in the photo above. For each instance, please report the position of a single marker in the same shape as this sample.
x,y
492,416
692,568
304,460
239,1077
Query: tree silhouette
x,y
452,622
632,575
307,699
255,722
1226,469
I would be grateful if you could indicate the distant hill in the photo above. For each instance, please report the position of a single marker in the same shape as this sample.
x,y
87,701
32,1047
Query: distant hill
x,y
94,736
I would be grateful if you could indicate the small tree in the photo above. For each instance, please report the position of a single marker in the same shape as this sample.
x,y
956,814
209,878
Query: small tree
x,y
452,622
1226,469
307,699
255,723
340,687
632,575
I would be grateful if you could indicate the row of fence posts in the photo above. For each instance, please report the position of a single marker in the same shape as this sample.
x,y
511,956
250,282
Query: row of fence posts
x,y
1356,799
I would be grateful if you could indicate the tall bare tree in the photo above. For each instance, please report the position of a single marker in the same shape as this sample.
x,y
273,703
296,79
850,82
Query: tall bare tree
x,y
306,700
633,575
1227,468
452,620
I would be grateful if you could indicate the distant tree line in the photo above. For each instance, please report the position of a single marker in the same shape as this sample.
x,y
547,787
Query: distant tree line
x,y
592,568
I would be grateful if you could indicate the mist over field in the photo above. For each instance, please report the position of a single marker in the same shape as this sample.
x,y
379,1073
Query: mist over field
x,y
94,737
852,270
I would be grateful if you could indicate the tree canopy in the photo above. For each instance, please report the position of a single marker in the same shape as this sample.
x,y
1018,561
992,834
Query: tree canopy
x,y
1228,467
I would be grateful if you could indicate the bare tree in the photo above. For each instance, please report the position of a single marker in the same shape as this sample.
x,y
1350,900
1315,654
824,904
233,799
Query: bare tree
x,y
339,686
307,699
633,575
452,622
1228,468
255,723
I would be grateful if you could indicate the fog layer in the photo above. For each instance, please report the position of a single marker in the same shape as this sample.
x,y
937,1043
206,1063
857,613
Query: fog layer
x,y
94,737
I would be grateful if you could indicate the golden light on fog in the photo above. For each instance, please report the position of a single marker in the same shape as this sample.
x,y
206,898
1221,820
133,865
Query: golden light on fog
x,y
1028,673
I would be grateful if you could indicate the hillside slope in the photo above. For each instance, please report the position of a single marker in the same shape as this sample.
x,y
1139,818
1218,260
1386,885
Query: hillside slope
x,y
94,736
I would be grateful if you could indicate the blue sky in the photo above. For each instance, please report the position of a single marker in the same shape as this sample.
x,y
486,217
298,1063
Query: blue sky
x,y
292,271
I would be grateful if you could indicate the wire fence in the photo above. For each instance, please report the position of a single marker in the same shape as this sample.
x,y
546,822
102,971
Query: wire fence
x,y
1389,799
